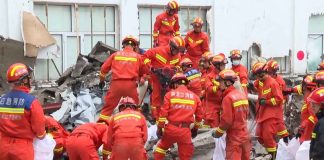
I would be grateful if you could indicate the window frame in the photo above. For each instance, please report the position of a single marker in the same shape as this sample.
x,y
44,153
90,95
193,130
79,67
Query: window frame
x,y
322,55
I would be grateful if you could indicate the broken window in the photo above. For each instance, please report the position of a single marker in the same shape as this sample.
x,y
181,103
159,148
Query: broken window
x,y
186,15
315,42
79,28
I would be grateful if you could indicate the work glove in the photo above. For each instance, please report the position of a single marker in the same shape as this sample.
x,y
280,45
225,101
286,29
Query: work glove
x,y
102,84
262,101
214,134
287,91
159,133
194,132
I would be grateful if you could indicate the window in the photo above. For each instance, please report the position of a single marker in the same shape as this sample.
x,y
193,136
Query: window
x,y
315,42
186,15
76,28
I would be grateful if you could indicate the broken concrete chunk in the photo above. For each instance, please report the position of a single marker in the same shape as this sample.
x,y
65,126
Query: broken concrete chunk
x,y
101,52
79,66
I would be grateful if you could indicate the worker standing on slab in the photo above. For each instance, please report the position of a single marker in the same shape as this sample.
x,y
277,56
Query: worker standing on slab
x,y
181,108
270,122
233,119
213,94
126,67
239,69
85,140
166,25
59,134
21,116
193,75
316,98
127,132
197,42
163,62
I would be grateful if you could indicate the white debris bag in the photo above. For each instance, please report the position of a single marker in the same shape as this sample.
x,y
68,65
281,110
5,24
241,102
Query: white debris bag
x,y
303,151
293,146
43,149
283,152
220,146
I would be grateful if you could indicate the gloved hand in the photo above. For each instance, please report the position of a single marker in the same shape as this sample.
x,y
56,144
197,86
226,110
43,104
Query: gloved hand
x,y
102,84
214,134
159,132
299,132
262,101
285,139
194,132
287,91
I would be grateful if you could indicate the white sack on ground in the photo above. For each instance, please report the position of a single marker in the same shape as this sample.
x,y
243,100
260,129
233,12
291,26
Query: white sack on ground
x,y
63,113
220,146
303,151
43,149
283,152
84,110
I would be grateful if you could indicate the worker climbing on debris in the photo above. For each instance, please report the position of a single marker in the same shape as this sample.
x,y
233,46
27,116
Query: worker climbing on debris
x,y
193,76
127,132
21,116
166,25
269,113
233,119
181,108
316,98
126,67
197,42
239,69
59,134
163,62
85,140
213,94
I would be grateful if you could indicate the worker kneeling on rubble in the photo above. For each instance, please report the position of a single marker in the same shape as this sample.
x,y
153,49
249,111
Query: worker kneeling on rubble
x,y
85,140
127,132
233,119
126,67
181,107
21,116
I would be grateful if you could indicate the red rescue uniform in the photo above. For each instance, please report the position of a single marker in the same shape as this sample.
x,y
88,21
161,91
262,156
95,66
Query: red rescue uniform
x,y
213,100
59,135
196,44
165,27
235,108
127,135
308,121
159,58
270,115
194,77
85,140
126,67
21,120
181,108
242,72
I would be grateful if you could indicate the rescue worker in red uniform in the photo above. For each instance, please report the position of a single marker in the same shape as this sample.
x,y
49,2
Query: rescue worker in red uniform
x,y
162,59
193,76
239,69
272,69
127,132
126,67
205,68
181,108
213,94
166,25
197,42
85,140
319,78
269,110
21,116
235,109
59,134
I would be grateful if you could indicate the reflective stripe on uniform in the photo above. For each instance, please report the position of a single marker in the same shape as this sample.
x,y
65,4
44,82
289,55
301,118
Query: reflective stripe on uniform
x,y
299,90
271,149
175,61
104,117
190,40
160,150
193,76
304,107
12,110
162,119
105,152
241,102
311,118
123,58
313,135
282,132
147,60
166,23
182,101
162,59
260,84
244,85
220,130
215,89
58,149
126,116
199,41
273,101
177,33
266,91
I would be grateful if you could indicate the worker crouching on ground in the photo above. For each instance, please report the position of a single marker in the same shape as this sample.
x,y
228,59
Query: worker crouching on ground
x,y
126,67
85,140
233,120
21,116
127,132
181,108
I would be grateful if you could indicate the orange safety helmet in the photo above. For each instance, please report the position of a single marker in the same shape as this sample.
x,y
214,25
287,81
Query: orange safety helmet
x,y
272,66
308,82
319,77
258,68
227,74
179,77
177,42
321,66
186,62
17,72
219,59
130,40
173,5
317,96
126,102
235,54
197,21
